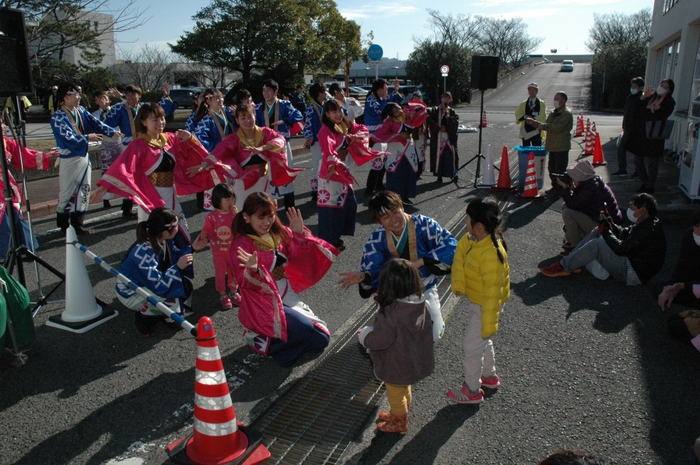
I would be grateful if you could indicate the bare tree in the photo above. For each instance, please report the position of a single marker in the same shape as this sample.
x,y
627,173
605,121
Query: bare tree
x,y
460,30
506,38
618,29
149,68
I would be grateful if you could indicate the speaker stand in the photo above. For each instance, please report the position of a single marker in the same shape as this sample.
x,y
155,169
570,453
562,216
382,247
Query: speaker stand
x,y
479,156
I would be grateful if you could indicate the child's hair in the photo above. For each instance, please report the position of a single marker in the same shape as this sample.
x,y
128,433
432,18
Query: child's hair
x,y
330,105
317,89
203,108
159,221
388,111
486,212
245,108
383,202
133,88
571,457
398,279
221,191
241,94
146,111
63,90
376,85
259,203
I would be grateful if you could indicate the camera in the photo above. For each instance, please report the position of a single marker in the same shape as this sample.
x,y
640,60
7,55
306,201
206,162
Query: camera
x,y
563,177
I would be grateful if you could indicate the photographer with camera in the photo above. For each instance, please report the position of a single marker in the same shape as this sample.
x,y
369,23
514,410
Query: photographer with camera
x,y
585,195
632,255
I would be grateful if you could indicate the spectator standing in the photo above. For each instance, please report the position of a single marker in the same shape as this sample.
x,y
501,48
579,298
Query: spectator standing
x,y
653,106
535,109
636,89
558,126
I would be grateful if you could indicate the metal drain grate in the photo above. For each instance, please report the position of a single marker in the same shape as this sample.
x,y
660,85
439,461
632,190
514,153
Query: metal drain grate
x,y
314,422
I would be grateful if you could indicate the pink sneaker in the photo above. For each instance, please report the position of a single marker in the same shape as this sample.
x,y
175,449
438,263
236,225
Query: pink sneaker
x,y
491,382
463,396
225,302
235,299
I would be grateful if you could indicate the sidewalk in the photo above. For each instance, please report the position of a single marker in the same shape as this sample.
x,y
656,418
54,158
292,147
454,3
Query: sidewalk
x,y
43,192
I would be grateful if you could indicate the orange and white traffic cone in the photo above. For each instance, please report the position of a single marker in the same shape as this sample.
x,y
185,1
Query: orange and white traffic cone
x,y
590,145
218,438
579,125
504,182
484,122
588,126
598,157
489,178
531,191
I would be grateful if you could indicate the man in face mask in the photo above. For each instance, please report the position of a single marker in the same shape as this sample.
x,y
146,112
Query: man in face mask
x,y
632,255
628,120
558,126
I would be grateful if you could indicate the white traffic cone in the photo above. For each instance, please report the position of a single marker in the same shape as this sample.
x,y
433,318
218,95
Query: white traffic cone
x,y
489,178
82,312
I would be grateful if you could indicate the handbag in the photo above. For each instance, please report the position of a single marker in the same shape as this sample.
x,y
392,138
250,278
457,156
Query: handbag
x,y
659,131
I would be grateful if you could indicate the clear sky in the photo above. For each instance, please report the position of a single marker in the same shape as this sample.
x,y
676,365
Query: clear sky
x,y
564,24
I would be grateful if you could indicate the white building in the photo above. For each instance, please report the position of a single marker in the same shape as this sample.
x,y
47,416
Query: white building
x,y
674,52
99,22
103,24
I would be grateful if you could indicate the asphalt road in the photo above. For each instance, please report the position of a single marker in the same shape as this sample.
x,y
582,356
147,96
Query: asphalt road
x,y
584,364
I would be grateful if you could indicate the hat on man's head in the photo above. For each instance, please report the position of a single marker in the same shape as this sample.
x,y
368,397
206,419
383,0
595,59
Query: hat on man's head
x,y
581,171
533,84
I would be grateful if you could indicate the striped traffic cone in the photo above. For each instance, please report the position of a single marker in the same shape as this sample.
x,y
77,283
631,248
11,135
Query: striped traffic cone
x,y
218,438
484,122
579,125
504,182
489,178
588,126
598,157
531,191
589,146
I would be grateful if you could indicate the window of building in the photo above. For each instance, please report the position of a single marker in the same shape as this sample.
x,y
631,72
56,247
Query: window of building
x,y
668,4
667,60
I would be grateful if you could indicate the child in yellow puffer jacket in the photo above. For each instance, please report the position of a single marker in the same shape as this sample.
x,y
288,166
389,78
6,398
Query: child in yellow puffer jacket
x,y
480,271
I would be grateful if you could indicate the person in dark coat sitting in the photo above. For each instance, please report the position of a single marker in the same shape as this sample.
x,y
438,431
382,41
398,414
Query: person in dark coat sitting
x,y
584,198
632,255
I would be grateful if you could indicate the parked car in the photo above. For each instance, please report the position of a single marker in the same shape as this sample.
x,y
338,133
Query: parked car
x,y
567,65
358,90
183,97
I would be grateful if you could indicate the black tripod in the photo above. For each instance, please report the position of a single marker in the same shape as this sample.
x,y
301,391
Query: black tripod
x,y
18,253
478,155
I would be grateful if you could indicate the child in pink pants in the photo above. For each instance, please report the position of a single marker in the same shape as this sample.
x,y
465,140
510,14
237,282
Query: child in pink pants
x,y
217,230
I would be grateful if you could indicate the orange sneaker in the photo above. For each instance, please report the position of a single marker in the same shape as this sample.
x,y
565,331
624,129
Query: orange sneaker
x,y
395,424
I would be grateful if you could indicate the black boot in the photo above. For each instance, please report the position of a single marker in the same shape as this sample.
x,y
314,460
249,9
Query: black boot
x,y
200,200
62,221
127,204
288,201
77,220
314,197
